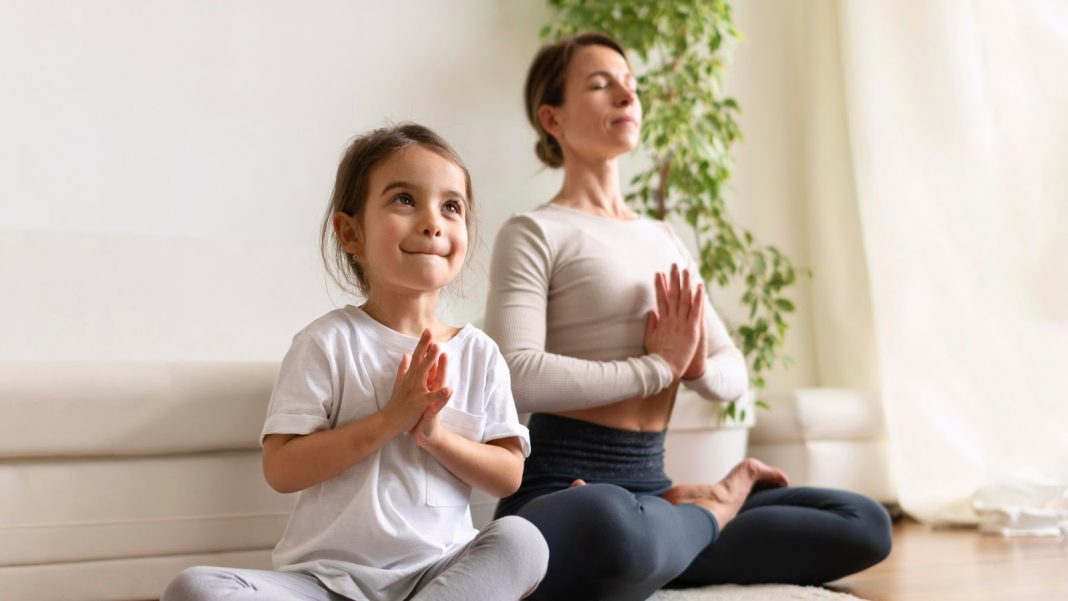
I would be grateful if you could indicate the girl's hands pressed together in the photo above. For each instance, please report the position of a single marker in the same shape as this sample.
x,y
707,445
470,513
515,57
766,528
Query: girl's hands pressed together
x,y
495,467
414,390
675,329
427,430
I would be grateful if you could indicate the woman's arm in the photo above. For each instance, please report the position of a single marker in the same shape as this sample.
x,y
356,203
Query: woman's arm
x,y
717,371
516,313
719,374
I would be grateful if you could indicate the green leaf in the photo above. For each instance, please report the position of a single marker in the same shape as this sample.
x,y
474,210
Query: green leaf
x,y
758,264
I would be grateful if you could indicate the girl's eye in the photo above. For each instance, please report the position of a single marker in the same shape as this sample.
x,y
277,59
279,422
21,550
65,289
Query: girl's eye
x,y
404,199
453,207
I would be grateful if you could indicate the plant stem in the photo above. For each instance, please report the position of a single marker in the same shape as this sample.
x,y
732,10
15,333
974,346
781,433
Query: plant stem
x,y
662,189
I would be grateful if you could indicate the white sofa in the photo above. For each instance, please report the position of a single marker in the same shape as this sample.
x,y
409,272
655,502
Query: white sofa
x,y
828,437
116,476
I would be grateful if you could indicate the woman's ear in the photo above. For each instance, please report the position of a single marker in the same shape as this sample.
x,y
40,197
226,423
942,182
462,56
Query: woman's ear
x,y
348,233
547,116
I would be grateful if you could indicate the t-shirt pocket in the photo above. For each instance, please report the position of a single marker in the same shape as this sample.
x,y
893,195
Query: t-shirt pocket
x,y
442,488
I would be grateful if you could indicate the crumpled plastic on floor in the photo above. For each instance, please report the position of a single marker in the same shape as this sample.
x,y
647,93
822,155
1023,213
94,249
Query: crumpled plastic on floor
x,y
1022,508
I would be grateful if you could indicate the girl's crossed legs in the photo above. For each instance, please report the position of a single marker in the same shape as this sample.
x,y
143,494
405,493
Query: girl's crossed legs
x,y
506,560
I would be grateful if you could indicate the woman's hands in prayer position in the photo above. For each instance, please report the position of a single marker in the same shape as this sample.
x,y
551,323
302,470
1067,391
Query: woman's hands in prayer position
x,y
675,330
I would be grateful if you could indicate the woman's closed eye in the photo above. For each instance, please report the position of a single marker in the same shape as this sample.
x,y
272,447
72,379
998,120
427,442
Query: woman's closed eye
x,y
630,86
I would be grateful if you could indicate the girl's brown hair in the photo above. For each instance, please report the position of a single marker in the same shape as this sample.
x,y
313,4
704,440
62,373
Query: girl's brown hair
x,y
352,185
545,85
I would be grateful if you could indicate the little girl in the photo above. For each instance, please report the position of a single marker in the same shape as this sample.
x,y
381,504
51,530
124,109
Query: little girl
x,y
383,417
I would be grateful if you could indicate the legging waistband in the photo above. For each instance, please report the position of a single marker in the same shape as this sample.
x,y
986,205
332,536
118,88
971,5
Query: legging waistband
x,y
561,445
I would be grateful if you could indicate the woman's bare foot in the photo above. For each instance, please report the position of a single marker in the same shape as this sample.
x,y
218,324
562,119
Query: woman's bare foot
x,y
724,498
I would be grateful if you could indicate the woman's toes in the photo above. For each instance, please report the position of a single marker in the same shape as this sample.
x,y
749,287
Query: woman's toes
x,y
765,476
679,493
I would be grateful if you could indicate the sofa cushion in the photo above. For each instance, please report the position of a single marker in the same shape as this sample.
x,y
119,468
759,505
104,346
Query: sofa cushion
x,y
855,465
91,509
694,413
805,414
131,408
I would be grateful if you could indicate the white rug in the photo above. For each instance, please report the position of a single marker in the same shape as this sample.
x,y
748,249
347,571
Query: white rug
x,y
755,592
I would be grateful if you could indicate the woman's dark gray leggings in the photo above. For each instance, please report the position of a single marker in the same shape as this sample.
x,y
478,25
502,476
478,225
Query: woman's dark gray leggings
x,y
617,539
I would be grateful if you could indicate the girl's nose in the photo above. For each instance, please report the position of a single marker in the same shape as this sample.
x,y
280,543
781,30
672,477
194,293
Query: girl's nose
x,y
432,229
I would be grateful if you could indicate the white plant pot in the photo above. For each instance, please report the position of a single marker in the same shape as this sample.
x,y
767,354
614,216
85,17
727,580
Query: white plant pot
x,y
700,447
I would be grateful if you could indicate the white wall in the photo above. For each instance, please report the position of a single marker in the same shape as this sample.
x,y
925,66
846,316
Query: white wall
x,y
768,195
164,166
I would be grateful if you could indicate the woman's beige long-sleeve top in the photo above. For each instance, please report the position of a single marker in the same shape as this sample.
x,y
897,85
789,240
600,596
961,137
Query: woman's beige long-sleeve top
x,y
568,302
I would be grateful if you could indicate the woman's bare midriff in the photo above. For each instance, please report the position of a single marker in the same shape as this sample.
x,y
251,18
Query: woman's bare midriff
x,y
641,414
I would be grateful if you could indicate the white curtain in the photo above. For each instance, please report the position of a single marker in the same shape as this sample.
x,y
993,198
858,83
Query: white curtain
x,y
957,119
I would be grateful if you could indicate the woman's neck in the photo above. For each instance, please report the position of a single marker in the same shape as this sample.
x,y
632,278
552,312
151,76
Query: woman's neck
x,y
408,314
593,187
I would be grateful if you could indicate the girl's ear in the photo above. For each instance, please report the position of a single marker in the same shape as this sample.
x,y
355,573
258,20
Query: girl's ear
x,y
549,121
348,233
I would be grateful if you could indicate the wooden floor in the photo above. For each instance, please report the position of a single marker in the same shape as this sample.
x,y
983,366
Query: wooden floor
x,y
963,565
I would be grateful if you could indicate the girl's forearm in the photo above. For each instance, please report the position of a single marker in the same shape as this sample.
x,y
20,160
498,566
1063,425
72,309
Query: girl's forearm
x,y
495,467
292,463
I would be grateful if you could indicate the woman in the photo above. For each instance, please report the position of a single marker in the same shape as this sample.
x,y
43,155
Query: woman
x,y
600,318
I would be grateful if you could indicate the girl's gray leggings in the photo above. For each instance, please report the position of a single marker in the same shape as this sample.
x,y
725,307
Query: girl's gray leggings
x,y
504,562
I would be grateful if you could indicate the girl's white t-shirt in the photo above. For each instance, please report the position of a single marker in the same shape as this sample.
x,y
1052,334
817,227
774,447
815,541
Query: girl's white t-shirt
x,y
372,530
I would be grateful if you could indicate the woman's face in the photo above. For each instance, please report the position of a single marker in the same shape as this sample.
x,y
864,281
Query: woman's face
x,y
601,116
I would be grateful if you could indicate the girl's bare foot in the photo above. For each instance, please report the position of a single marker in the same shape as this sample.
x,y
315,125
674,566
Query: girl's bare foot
x,y
724,498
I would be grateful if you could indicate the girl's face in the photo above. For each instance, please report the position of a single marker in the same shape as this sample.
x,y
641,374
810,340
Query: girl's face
x,y
414,233
601,115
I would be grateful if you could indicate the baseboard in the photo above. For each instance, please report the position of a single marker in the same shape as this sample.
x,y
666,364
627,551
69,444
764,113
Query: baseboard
x,y
132,579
